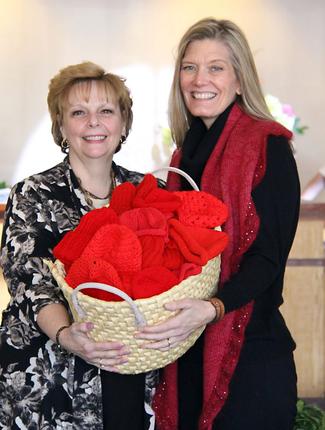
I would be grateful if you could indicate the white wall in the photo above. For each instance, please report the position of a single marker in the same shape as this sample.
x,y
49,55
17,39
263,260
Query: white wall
x,y
137,38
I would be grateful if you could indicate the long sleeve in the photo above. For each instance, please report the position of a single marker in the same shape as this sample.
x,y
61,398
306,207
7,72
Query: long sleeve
x,y
277,200
29,234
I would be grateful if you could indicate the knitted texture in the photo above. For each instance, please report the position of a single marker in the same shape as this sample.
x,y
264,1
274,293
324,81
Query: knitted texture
x,y
140,246
149,195
118,244
122,197
201,209
152,281
198,245
74,242
235,167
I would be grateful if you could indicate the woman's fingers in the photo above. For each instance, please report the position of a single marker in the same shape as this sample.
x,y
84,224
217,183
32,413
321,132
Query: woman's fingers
x,y
105,355
166,343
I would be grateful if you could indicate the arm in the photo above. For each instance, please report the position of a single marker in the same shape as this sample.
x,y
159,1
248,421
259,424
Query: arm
x,y
37,306
277,203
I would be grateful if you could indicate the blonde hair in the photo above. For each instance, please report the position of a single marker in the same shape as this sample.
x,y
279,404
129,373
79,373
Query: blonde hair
x,y
251,98
86,72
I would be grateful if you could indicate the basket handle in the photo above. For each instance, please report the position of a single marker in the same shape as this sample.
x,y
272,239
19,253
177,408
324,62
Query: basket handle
x,y
180,172
139,317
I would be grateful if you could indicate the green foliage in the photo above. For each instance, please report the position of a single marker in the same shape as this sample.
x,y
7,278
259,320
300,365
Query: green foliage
x,y
3,184
309,417
298,128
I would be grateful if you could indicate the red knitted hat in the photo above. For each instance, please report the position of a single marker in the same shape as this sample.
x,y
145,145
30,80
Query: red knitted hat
x,y
144,221
198,245
201,209
152,281
117,245
73,243
94,270
148,194
122,197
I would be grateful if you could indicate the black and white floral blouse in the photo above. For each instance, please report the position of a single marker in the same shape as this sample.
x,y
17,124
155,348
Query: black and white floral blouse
x,y
40,386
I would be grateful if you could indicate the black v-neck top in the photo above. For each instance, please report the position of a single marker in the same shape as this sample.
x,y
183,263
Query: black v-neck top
x,y
277,201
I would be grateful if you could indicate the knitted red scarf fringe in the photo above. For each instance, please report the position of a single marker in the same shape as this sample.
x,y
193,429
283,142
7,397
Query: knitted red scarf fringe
x,y
235,167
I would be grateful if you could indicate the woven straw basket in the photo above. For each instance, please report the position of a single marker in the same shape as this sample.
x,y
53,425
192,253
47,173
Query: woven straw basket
x,y
118,321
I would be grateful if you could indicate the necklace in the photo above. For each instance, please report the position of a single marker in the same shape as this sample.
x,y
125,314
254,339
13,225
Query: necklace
x,y
89,196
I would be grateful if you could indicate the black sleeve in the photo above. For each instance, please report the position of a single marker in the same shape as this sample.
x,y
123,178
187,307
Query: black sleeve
x,y
277,201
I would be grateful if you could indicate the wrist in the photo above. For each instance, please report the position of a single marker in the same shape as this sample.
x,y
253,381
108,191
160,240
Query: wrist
x,y
219,308
58,335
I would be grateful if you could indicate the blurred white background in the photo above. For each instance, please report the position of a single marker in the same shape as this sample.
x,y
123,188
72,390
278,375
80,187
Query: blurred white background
x,y
137,39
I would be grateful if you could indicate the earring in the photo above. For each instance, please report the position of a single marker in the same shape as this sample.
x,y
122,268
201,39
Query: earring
x,y
65,145
122,140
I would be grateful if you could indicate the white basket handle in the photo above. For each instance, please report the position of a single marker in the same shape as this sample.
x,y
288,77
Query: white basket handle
x,y
139,318
181,172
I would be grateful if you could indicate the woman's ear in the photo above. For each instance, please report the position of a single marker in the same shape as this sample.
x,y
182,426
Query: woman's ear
x,y
59,120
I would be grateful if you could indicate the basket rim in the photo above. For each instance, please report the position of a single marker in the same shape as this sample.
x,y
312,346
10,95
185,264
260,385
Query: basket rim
x,y
58,266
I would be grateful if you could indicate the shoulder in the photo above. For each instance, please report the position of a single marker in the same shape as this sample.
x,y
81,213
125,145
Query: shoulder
x,y
41,182
124,175
253,125
51,175
279,146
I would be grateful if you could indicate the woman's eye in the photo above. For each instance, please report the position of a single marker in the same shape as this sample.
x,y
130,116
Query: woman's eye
x,y
106,111
188,67
216,68
77,113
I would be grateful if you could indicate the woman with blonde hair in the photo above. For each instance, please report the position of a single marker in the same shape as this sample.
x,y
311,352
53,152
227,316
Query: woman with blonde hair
x,y
240,374
52,375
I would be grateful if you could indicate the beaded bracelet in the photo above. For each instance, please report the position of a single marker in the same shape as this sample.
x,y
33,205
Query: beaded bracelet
x,y
219,307
57,340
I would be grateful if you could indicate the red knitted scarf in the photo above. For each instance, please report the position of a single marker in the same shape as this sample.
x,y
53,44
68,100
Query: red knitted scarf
x,y
236,165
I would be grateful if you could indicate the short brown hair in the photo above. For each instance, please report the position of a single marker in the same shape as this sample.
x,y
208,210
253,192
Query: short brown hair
x,y
61,84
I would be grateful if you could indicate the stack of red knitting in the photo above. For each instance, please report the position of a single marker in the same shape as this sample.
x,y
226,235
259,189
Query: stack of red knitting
x,y
148,240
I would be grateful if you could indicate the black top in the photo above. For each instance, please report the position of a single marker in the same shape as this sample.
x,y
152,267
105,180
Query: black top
x,y
277,201
261,273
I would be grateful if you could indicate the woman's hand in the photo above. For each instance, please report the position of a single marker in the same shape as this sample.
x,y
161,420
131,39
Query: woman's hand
x,y
75,338
192,314
105,355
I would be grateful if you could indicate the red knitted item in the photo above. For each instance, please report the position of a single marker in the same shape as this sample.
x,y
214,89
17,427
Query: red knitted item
x,y
152,250
149,195
186,270
145,221
122,197
94,270
172,256
198,245
201,209
74,242
235,167
116,244
152,281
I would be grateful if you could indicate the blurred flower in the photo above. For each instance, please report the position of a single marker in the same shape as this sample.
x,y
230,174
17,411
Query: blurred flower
x,y
284,114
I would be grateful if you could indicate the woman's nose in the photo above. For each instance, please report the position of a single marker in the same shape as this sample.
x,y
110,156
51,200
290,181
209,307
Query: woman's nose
x,y
200,77
93,121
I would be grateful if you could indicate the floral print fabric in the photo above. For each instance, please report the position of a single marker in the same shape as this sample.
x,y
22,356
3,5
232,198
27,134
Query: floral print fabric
x,y
40,386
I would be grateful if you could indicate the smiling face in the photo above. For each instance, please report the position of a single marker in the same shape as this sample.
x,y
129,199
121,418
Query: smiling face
x,y
92,122
207,79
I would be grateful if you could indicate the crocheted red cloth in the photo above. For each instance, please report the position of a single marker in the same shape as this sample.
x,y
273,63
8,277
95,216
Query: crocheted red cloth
x,y
158,239
235,167
71,246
